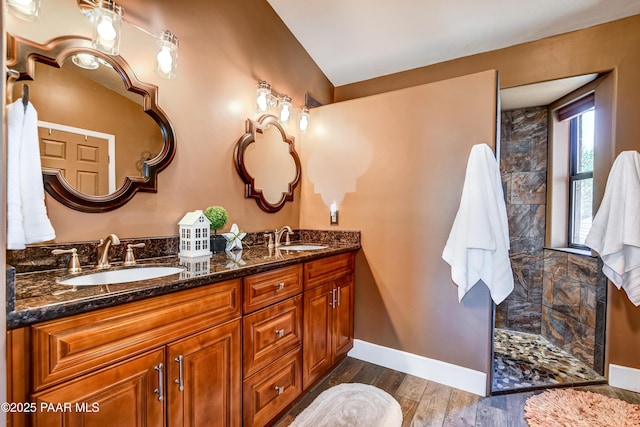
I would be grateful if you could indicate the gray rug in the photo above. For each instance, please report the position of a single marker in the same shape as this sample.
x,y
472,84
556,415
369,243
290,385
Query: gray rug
x,y
352,405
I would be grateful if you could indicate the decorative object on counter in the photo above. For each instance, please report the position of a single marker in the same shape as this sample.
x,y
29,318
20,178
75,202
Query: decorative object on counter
x,y
352,404
218,217
234,238
234,260
194,235
195,266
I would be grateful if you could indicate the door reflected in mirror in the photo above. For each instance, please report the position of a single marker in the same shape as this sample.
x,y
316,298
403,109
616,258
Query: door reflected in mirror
x,y
91,128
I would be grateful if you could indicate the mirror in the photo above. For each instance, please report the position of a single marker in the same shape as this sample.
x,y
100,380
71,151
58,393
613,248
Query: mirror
x,y
267,162
102,135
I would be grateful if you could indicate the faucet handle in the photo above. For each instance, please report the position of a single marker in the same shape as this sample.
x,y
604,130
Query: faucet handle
x,y
287,240
129,259
270,236
74,261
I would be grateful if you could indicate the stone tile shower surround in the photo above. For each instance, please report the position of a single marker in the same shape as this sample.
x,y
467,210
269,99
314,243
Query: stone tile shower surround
x,y
574,305
523,167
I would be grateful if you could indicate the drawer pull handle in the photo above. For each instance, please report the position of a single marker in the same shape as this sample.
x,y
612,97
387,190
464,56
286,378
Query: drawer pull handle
x,y
280,390
339,293
159,390
279,333
280,286
333,298
180,380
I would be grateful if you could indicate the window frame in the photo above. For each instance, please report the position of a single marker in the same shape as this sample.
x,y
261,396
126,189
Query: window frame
x,y
573,112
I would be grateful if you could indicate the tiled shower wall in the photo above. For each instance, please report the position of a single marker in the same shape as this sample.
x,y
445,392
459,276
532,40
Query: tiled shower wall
x,y
523,167
558,295
574,305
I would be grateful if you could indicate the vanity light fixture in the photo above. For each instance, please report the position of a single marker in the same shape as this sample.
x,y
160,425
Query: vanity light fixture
x,y
265,99
24,9
107,20
167,57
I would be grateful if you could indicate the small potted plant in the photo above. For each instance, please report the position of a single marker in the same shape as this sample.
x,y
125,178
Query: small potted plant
x,y
218,217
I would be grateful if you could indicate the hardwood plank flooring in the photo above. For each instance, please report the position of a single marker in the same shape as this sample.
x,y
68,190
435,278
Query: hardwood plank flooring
x,y
425,403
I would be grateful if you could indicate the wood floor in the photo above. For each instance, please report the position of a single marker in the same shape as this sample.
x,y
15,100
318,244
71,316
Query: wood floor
x,y
426,403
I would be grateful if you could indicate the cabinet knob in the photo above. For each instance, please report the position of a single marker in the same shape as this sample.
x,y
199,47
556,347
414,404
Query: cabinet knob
x,y
280,286
279,333
280,390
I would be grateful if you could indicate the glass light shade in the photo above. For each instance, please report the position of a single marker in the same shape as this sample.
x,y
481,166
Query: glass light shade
x,y
167,57
262,98
24,9
85,60
303,124
106,27
285,109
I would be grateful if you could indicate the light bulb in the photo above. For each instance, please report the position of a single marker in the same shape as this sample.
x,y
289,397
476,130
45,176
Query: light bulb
x,y
285,109
27,10
303,124
262,101
85,60
285,113
165,61
106,29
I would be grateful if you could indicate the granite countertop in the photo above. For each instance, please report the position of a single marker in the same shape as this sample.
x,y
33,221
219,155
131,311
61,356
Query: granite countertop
x,y
38,297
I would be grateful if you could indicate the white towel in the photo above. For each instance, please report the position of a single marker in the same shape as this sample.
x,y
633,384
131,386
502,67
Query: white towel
x,y
27,220
478,244
615,232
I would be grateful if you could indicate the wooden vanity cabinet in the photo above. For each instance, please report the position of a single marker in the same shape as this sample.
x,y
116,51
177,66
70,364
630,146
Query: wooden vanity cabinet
x,y
272,344
131,361
328,315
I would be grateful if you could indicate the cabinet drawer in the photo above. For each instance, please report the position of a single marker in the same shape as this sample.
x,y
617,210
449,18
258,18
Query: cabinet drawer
x,y
327,269
261,290
272,389
270,333
65,348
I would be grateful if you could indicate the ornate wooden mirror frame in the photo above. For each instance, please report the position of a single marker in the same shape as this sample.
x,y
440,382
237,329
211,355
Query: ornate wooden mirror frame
x,y
259,126
22,55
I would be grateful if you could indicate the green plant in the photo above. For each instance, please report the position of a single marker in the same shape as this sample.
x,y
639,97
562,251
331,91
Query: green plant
x,y
218,217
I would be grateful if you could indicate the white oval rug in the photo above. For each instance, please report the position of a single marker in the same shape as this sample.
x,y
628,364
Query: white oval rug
x,y
353,405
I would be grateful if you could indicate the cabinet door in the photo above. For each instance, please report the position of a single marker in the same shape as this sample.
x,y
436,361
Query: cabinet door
x,y
317,336
204,378
127,394
343,317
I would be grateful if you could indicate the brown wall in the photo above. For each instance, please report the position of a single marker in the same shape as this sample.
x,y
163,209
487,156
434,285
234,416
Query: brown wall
x,y
404,202
612,46
226,46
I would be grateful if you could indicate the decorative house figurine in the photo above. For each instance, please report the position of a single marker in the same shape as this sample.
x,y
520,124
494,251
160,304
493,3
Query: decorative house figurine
x,y
194,235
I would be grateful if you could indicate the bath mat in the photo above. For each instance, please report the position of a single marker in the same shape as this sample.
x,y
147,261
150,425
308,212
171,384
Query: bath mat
x,y
352,405
568,407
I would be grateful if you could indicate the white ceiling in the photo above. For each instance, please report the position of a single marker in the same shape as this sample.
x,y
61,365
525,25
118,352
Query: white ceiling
x,y
355,40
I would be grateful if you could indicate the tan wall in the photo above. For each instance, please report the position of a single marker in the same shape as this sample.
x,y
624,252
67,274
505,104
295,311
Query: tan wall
x,y
225,48
410,150
612,46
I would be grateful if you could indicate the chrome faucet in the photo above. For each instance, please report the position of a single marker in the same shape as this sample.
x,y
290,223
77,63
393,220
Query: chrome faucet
x,y
278,235
103,250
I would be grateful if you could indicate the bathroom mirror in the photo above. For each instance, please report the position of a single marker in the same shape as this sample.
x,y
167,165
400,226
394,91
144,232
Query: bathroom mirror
x,y
267,162
103,137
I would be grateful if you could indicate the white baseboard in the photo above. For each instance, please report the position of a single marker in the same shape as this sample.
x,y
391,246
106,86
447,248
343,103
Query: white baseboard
x,y
431,369
624,377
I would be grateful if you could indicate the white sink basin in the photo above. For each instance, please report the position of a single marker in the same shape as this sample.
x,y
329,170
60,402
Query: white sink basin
x,y
301,247
111,277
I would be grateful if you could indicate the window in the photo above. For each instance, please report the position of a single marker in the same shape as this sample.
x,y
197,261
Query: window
x,y
581,175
